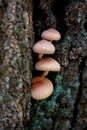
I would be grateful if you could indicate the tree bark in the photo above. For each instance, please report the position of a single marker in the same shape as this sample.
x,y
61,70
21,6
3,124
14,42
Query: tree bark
x,y
66,108
16,38
21,24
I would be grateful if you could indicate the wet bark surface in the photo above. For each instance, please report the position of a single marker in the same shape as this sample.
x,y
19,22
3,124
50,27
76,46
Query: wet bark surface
x,y
66,108
16,38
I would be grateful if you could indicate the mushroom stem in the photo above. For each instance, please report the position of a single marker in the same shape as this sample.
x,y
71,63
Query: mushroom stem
x,y
37,79
50,41
40,56
44,73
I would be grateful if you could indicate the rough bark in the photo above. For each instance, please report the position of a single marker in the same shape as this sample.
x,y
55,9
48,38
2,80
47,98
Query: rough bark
x,y
66,108
16,38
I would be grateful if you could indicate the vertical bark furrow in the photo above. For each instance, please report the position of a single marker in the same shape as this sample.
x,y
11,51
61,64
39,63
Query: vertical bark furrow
x,y
75,17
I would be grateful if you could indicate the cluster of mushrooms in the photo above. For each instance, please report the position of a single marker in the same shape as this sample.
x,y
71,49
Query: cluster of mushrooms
x,y
42,87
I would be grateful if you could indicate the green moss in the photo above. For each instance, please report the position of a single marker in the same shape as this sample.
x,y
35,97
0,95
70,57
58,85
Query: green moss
x,y
43,110
68,91
59,79
67,40
59,103
65,43
85,34
77,84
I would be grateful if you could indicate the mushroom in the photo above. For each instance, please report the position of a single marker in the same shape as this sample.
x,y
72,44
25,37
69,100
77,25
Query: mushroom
x,y
51,34
43,47
47,64
42,89
37,79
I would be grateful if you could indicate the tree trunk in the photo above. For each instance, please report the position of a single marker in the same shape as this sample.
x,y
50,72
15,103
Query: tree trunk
x,y
66,108
16,38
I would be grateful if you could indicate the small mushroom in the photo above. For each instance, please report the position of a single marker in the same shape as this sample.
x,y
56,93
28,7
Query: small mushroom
x,y
51,34
37,79
43,47
47,64
42,89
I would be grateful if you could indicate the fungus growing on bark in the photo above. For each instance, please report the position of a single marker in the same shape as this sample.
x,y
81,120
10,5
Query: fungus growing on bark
x,y
42,90
47,64
51,34
37,79
43,47
42,87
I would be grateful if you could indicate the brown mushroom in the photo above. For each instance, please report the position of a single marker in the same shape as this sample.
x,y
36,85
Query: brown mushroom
x,y
42,89
37,79
51,34
47,64
43,47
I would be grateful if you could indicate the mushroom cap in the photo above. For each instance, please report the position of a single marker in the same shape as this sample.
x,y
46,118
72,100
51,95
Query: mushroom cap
x,y
42,89
44,47
47,64
51,34
37,79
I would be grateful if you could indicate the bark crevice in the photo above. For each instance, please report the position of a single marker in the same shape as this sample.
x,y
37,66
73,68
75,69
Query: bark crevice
x,y
79,94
